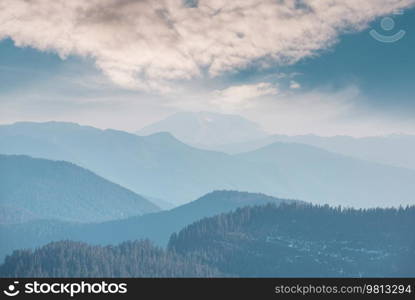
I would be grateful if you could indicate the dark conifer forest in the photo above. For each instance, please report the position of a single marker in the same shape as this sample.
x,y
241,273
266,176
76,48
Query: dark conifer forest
x,y
129,259
304,240
289,240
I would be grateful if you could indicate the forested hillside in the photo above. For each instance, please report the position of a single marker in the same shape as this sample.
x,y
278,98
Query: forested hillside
x,y
130,259
304,240
10,214
156,226
43,189
290,240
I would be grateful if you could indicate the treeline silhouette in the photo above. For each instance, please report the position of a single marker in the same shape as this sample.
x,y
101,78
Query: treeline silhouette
x,y
304,240
129,259
289,240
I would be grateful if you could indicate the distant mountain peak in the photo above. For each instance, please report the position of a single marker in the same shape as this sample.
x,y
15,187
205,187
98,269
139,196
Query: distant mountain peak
x,y
163,135
206,129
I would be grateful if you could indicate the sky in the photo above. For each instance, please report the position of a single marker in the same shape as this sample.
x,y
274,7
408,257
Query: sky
x,y
295,67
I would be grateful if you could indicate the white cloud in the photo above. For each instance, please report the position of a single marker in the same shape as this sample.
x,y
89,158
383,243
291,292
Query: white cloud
x,y
283,75
242,95
322,111
294,85
145,44
325,112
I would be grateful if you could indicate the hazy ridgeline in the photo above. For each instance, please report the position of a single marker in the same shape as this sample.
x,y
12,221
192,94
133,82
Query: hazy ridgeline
x,y
261,241
155,226
43,189
96,190
162,167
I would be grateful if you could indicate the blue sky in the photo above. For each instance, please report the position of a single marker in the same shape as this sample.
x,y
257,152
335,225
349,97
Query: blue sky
x,y
385,72
349,83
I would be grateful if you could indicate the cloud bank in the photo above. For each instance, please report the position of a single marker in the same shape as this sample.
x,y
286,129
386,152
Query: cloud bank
x,y
145,44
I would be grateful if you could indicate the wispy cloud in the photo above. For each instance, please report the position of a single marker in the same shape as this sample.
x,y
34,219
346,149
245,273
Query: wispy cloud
x,y
145,44
242,95
294,85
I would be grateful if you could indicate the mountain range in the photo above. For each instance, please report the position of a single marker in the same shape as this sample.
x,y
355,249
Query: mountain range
x,y
33,189
156,227
312,173
63,181
157,166
395,149
196,128
162,167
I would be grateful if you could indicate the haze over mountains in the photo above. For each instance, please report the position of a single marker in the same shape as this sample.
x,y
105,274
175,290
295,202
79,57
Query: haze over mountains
x,y
43,189
156,227
395,150
340,180
157,165
196,128
63,181
160,166
207,129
